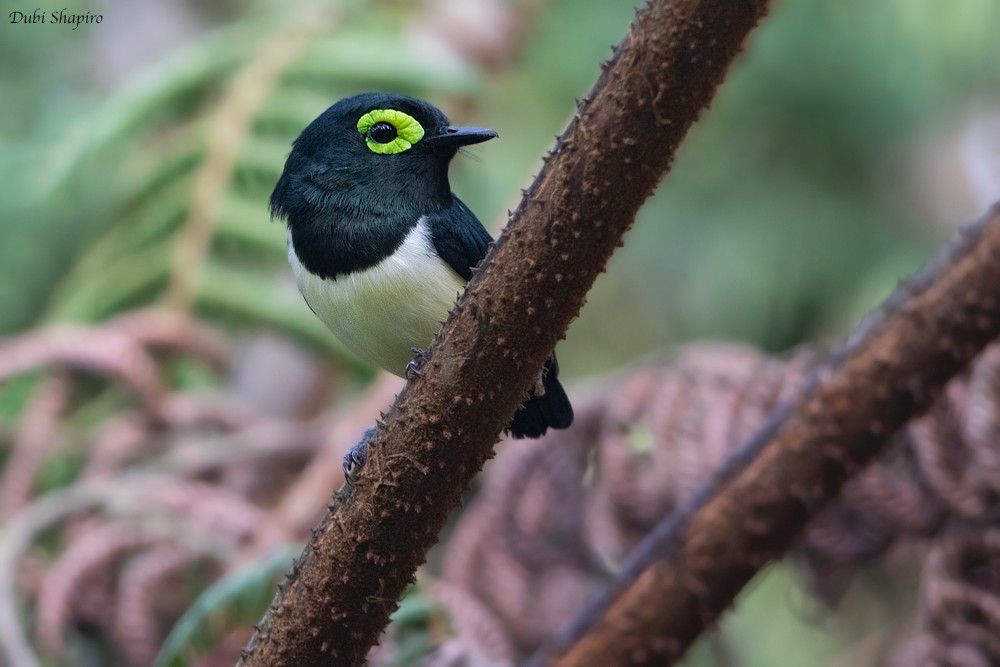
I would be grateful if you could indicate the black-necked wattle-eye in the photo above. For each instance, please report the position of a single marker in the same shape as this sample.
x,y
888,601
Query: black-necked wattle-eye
x,y
380,246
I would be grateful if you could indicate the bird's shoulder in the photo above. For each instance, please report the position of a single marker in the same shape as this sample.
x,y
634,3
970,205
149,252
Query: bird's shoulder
x,y
458,237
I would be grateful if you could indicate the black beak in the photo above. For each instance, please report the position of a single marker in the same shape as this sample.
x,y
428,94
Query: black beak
x,y
461,136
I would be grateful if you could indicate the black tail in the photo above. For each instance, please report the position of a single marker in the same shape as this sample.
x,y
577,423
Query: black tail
x,y
542,412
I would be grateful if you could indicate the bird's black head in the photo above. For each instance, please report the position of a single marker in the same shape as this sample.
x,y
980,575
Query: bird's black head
x,y
372,155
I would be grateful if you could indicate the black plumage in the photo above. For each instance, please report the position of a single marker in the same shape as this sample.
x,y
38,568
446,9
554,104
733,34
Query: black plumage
x,y
352,207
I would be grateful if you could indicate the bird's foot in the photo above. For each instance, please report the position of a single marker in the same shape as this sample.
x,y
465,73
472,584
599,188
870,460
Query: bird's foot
x,y
355,459
416,365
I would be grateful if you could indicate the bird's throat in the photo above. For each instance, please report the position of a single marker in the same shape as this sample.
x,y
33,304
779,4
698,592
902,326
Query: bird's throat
x,y
332,242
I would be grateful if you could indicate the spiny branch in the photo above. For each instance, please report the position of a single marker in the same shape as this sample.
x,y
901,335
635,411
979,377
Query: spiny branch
x,y
692,565
336,601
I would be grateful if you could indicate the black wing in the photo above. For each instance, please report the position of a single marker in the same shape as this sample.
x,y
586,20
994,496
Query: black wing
x,y
462,241
459,238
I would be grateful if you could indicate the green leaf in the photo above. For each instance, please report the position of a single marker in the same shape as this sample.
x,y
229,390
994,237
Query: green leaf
x,y
236,600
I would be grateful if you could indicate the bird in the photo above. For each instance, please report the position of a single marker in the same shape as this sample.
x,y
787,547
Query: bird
x,y
380,246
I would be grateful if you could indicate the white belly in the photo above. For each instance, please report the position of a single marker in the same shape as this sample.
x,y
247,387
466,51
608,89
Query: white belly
x,y
383,312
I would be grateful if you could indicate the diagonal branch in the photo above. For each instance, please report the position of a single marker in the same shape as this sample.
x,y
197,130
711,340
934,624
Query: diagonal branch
x,y
692,565
442,428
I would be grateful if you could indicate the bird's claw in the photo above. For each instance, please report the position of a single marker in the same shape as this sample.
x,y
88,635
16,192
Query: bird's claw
x,y
355,459
415,366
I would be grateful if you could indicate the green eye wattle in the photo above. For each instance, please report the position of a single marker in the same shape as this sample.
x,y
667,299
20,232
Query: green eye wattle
x,y
388,131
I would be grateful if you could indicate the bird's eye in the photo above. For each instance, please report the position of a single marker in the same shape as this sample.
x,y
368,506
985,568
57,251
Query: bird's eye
x,y
388,131
382,132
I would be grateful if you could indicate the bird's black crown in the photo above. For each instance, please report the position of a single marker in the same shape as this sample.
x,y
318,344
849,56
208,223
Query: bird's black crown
x,y
372,151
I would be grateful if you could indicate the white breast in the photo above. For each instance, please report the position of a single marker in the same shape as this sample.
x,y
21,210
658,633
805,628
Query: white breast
x,y
383,312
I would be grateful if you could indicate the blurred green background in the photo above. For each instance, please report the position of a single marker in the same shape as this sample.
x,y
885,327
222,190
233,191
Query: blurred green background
x,y
848,142
845,142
